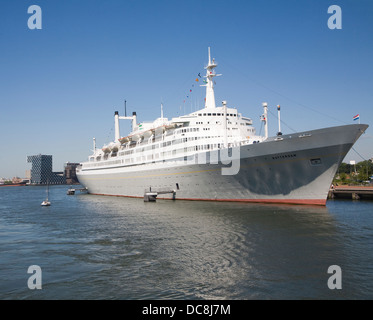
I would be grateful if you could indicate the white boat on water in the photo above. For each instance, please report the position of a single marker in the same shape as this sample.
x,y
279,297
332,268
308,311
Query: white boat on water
x,y
215,154
46,202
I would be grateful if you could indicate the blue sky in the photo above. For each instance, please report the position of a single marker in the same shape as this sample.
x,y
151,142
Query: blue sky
x,y
60,86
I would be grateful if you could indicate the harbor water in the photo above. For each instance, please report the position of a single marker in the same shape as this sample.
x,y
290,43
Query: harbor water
x,y
97,247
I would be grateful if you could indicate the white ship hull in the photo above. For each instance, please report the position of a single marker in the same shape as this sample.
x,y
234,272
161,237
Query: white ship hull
x,y
298,169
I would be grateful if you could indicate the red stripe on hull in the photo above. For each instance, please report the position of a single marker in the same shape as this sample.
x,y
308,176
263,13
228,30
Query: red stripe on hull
x,y
318,202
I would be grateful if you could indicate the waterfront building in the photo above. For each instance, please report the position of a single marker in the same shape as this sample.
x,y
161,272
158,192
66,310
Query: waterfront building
x,y
41,170
70,173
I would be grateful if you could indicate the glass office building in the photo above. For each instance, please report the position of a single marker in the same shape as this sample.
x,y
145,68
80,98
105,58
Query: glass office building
x,y
41,171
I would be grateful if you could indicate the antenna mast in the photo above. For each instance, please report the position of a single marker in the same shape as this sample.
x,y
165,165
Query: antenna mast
x,y
210,74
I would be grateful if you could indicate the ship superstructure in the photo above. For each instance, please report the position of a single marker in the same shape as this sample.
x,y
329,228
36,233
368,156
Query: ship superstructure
x,y
215,154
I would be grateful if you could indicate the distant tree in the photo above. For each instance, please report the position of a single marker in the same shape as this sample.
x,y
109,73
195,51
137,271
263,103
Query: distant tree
x,y
343,177
344,168
365,169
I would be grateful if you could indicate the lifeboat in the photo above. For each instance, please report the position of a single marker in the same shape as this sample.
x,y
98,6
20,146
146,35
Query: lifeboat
x,y
137,137
147,134
159,130
124,140
106,149
171,126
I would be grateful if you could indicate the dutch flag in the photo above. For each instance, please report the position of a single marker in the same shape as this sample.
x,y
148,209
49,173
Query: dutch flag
x,y
356,117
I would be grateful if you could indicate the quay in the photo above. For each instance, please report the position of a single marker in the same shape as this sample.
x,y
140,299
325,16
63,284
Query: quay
x,y
351,192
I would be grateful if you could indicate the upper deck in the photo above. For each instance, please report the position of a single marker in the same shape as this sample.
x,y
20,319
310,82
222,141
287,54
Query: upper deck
x,y
211,128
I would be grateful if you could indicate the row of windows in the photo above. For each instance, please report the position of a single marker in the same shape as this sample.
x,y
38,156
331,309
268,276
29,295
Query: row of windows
x,y
217,114
188,130
229,122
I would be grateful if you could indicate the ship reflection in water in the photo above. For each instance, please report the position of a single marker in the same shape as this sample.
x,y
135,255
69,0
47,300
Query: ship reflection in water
x,y
93,247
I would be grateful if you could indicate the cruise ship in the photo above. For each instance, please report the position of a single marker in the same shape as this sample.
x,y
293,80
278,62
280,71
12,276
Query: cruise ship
x,y
215,154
